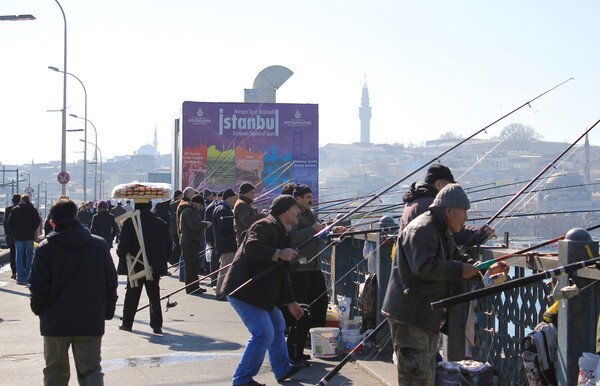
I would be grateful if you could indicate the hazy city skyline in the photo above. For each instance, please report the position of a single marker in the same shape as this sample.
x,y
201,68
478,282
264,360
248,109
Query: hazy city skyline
x,y
431,67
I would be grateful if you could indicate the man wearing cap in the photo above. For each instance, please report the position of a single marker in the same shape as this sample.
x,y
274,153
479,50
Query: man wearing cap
x,y
265,255
427,264
191,234
421,194
307,279
244,213
103,224
225,243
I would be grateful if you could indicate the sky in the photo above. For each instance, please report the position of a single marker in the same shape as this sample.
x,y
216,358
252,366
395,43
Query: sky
x,y
431,67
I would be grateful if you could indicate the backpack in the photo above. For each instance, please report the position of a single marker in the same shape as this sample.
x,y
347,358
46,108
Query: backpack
x,y
368,302
466,372
538,351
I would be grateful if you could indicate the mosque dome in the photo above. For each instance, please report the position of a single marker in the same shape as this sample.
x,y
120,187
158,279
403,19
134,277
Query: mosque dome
x,y
146,150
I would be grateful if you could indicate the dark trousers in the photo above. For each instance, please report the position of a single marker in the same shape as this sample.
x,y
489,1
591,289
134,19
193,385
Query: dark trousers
x,y
309,288
191,265
214,265
132,300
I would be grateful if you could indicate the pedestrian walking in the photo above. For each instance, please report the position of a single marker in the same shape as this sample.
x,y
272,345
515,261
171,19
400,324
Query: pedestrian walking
x,y
73,285
157,243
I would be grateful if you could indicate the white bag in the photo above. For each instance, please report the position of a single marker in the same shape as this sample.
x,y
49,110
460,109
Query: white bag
x,y
588,368
208,253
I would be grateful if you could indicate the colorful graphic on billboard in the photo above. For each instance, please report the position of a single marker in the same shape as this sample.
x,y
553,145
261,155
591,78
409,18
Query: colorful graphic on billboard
x,y
269,144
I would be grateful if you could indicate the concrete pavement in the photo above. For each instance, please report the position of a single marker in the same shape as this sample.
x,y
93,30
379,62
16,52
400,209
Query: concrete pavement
x,y
202,343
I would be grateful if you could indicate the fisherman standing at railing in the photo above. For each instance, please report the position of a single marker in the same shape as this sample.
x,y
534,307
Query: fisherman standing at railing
x,y
307,279
427,263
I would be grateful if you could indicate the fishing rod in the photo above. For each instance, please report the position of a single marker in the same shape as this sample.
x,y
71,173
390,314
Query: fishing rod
x,y
349,356
531,182
327,228
535,191
542,213
185,286
488,263
510,184
515,283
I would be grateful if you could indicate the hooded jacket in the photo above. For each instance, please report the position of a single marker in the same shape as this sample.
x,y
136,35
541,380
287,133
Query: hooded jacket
x,y
73,282
426,265
256,256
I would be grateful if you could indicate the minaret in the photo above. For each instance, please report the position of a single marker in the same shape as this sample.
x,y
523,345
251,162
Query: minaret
x,y
364,113
155,143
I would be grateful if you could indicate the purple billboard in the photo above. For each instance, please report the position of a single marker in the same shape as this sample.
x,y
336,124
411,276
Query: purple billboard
x,y
266,144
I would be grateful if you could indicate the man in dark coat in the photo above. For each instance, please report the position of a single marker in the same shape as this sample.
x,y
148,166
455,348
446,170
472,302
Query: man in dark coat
x,y
23,223
10,237
267,252
426,265
191,234
224,236
103,224
157,243
73,291
244,213
176,248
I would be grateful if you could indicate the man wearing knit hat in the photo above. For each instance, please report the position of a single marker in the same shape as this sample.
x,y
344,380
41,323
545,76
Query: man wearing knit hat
x,y
243,211
266,255
421,194
426,264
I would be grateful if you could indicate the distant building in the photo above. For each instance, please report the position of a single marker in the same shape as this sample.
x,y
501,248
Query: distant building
x,y
364,113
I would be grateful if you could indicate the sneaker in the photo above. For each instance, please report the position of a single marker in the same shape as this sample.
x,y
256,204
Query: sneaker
x,y
295,368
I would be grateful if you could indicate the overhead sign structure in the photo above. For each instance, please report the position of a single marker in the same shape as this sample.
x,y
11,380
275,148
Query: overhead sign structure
x,y
63,177
266,144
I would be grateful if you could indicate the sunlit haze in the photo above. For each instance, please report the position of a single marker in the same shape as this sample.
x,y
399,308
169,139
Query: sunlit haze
x,y
430,66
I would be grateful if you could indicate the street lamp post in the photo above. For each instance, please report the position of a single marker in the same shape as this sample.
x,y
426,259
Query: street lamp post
x,y
28,178
63,155
97,149
84,134
95,152
16,17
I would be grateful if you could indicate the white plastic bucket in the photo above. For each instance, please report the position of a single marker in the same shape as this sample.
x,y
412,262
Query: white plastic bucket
x,y
324,341
350,339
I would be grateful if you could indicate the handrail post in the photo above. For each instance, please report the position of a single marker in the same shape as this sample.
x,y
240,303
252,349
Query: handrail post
x,y
576,316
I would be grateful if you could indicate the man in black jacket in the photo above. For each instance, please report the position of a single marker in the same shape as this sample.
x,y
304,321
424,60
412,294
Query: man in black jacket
x,y
103,224
73,291
23,223
10,237
257,282
225,243
157,243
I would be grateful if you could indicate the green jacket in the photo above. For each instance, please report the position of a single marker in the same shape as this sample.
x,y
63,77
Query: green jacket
x,y
303,232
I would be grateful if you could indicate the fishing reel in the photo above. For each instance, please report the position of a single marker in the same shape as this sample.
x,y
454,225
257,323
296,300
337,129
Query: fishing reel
x,y
170,304
567,292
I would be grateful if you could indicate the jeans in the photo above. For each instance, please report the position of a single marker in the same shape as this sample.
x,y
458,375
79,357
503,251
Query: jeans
x,y
267,329
24,256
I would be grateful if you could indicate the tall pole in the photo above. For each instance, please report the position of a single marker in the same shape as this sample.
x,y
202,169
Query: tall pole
x,y
96,167
95,151
63,155
84,130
